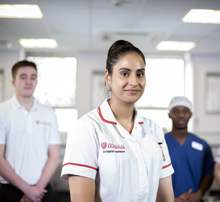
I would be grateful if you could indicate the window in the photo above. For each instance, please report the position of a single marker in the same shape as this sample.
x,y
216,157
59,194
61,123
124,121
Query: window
x,y
57,87
164,80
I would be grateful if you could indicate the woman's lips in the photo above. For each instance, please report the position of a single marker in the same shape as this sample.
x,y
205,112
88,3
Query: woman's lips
x,y
132,91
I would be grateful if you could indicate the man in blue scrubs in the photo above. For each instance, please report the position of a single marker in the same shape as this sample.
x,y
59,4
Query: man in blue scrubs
x,y
190,155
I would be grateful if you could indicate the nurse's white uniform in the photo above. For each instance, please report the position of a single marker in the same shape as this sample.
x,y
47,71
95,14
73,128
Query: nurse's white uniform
x,y
126,167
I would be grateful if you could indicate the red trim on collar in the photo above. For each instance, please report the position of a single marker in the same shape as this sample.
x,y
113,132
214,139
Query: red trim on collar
x,y
141,122
76,164
166,166
100,114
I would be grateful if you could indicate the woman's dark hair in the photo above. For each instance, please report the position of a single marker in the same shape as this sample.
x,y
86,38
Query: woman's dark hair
x,y
23,63
117,50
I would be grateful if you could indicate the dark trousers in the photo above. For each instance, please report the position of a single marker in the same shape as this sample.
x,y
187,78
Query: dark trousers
x,y
9,193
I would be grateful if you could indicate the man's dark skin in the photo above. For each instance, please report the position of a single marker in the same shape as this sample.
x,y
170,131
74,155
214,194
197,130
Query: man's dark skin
x,y
180,116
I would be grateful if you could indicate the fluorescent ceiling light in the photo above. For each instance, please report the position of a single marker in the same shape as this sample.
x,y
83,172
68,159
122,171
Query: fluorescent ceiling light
x,y
20,11
38,43
202,16
175,46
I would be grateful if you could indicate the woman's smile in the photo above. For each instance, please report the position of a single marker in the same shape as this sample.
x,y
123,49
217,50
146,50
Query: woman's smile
x,y
132,91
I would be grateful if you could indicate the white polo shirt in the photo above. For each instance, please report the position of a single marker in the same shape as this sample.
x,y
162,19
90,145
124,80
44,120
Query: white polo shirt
x,y
217,158
126,167
27,136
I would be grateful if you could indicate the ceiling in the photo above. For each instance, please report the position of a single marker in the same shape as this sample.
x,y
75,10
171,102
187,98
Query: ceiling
x,y
93,25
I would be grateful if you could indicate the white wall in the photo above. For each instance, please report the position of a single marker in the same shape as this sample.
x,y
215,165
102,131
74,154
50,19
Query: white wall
x,y
7,59
86,64
205,125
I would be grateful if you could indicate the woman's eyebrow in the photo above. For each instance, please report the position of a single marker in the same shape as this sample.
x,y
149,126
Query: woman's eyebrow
x,y
123,68
142,69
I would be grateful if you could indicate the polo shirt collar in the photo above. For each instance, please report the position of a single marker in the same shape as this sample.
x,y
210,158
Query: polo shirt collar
x,y
107,115
16,105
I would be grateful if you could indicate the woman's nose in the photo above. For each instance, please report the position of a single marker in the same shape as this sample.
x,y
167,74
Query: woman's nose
x,y
133,80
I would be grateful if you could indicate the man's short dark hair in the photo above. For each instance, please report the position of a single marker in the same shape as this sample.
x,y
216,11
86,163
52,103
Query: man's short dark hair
x,y
23,63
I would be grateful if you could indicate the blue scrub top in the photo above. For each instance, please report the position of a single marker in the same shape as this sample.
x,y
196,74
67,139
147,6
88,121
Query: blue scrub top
x,y
191,162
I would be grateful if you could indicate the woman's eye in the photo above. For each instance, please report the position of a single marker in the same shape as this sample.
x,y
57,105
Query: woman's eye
x,y
140,74
124,74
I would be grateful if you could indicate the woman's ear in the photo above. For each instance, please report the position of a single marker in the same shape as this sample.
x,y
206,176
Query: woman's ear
x,y
107,77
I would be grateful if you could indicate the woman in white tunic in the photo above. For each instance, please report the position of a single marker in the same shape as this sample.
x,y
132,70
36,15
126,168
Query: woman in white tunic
x,y
113,154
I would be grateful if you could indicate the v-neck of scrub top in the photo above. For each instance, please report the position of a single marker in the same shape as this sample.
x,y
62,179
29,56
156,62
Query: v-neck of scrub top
x,y
107,116
186,141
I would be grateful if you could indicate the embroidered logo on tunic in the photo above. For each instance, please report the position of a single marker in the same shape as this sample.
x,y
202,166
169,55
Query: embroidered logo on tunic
x,y
111,148
103,145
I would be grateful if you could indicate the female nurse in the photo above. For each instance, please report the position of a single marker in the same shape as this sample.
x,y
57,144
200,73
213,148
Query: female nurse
x,y
113,154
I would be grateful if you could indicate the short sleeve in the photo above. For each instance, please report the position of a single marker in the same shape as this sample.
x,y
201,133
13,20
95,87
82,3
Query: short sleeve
x,y
81,154
209,163
167,168
217,157
54,132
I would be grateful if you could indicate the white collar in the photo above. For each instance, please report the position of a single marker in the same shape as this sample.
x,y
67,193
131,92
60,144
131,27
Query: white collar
x,y
16,104
107,115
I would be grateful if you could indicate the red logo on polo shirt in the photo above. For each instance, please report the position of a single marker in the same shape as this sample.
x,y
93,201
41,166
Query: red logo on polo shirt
x,y
43,123
103,145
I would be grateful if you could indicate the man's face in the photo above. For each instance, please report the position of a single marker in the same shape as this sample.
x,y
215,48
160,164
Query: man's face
x,y
180,116
25,81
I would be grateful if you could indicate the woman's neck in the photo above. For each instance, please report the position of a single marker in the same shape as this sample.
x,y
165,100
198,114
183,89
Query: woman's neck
x,y
124,114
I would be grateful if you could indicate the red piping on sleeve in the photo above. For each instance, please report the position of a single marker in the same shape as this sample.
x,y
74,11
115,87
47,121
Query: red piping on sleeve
x,y
141,122
166,166
76,164
100,114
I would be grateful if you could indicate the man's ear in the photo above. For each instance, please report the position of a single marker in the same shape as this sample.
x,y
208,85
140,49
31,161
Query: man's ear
x,y
169,115
107,77
13,82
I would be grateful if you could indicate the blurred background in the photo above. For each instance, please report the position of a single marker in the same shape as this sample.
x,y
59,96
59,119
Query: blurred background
x,y
69,40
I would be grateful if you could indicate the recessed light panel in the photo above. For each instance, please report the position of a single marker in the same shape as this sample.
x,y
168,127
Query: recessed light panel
x,y
175,46
38,43
20,11
202,16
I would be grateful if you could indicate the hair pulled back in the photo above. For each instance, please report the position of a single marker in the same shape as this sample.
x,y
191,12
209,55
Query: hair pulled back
x,y
119,49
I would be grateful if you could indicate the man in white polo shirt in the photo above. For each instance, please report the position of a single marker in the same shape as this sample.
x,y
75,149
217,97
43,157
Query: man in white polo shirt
x,y
29,141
